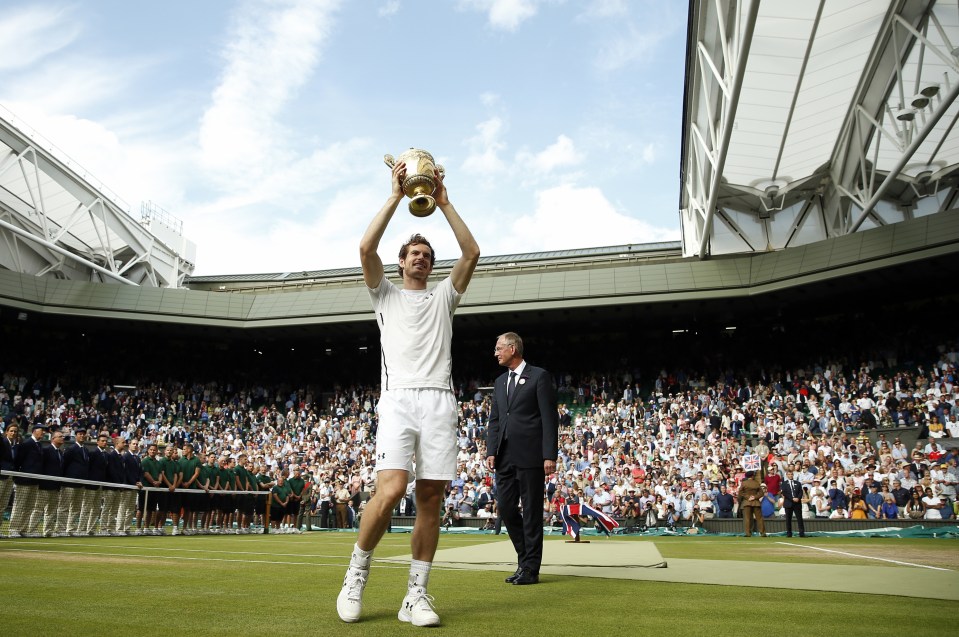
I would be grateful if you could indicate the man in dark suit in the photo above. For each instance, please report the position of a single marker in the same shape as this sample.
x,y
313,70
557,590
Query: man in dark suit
x,y
132,475
49,501
8,441
93,498
521,446
76,464
792,503
27,458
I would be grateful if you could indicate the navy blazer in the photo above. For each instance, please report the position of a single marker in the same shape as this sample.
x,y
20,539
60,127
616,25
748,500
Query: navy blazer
x,y
98,466
76,462
132,473
529,418
115,471
789,490
28,459
52,466
6,456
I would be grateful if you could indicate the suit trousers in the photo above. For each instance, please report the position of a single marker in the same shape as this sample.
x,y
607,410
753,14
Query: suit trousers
x,y
48,506
108,515
24,500
754,512
6,490
93,499
795,509
515,486
73,498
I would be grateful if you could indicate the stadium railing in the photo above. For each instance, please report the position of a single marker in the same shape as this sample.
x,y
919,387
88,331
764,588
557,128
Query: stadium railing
x,y
34,505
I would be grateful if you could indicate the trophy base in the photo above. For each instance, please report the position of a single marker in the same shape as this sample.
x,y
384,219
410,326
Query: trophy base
x,y
422,206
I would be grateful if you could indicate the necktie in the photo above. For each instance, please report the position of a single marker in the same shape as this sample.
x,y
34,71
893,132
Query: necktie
x,y
511,386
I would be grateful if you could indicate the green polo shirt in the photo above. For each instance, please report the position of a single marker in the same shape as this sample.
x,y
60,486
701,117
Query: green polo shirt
x,y
281,492
263,478
170,469
188,467
207,476
227,477
150,467
296,486
244,478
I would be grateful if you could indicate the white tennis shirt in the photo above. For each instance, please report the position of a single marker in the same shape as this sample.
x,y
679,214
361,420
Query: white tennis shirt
x,y
416,333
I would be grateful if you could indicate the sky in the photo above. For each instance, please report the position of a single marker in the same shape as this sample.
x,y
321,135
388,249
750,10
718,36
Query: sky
x,y
262,124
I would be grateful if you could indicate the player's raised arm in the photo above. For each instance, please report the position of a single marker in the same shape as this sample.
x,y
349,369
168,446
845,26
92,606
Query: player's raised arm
x,y
369,259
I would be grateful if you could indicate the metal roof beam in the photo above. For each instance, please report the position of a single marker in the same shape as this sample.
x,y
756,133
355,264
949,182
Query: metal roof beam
x,y
729,116
907,155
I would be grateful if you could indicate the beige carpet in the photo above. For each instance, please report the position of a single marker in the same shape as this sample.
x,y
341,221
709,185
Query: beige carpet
x,y
642,561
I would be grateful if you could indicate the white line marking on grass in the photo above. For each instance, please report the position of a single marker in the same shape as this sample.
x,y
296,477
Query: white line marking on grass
x,y
164,548
180,557
865,557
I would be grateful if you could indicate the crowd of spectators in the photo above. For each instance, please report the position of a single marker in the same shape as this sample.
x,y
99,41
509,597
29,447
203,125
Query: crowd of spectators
x,y
668,450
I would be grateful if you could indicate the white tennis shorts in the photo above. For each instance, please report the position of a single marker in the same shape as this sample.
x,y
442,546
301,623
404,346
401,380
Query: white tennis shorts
x,y
417,425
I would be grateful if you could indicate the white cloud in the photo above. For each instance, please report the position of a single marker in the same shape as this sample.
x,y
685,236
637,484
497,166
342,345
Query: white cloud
x,y
270,56
72,84
29,34
489,99
485,147
506,15
635,45
649,153
559,154
390,8
568,217
606,8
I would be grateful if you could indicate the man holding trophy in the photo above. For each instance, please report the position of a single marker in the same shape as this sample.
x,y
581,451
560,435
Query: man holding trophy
x,y
417,410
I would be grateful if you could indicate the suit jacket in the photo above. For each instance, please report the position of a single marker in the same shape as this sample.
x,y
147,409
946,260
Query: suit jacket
x,y
76,462
6,456
28,459
115,472
528,419
791,489
131,468
52,463
98,466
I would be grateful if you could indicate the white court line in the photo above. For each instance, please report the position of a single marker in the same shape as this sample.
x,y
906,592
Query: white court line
x,y
865,557
163,548
180,557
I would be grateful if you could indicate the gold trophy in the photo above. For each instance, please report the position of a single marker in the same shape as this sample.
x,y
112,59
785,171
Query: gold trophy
x,y
420,182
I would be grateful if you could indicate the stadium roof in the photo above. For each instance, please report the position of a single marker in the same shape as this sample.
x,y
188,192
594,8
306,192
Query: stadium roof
x,y
57,221
580,256
808,120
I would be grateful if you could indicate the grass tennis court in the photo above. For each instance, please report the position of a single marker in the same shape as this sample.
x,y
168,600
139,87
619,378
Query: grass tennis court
x,y
286,585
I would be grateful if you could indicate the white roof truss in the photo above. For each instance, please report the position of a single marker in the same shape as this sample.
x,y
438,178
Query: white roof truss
x,y
53,222
810,120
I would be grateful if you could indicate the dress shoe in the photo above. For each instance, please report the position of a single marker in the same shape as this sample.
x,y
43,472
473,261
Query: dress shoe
x,y
526,577
512,578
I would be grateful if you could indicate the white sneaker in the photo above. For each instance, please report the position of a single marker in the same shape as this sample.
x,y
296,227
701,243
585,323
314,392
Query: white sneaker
x,y
417,608
349,603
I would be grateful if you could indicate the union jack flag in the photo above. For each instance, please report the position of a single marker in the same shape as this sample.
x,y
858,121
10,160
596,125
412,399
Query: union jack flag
x,y
572,512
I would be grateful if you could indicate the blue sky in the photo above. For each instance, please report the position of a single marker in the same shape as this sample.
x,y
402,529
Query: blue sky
x,y
262,124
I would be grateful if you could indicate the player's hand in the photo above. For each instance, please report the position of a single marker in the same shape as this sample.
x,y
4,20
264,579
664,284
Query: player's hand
x,y
440,195
399,174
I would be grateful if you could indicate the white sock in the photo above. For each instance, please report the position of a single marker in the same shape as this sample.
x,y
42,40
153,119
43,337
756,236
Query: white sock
x,y
360,558
419,573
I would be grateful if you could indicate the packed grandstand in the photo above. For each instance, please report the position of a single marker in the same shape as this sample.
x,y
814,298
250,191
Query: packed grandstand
x,y
867,438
